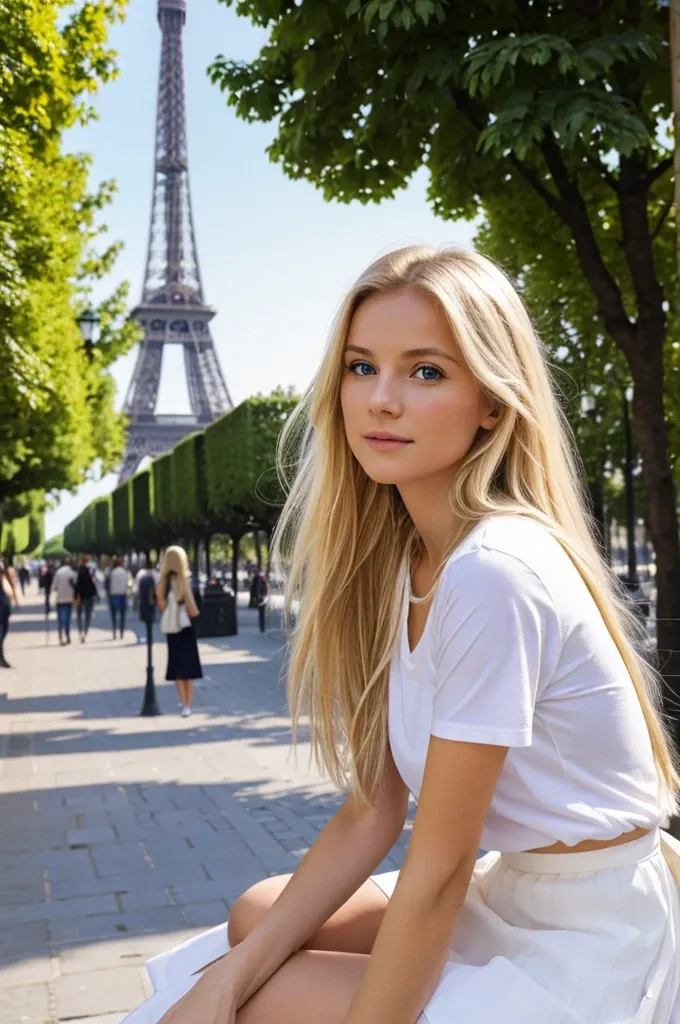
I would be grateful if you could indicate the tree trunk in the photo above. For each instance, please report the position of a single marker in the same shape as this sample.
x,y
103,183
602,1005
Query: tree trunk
x,y
660,514
596,498
642,343
675,83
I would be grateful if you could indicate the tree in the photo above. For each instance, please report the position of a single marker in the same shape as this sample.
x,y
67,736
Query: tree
x,y
56,395
564,108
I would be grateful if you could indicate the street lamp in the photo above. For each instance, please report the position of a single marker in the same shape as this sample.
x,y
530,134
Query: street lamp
x,y
595,487
632,580
88,322
146,594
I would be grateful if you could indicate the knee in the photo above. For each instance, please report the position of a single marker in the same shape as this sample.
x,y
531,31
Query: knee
x,y
251,907
242,918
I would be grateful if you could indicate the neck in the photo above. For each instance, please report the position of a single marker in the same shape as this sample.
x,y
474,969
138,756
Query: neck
x,y
427,503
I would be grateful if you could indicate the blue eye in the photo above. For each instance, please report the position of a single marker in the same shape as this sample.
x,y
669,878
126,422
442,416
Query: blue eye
x,y
354,369
431,373
363,369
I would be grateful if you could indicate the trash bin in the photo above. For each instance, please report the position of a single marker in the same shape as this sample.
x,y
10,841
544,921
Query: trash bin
x,y
218,611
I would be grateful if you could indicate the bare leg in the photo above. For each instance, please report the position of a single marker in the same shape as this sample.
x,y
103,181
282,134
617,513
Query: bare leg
x,y
352,929
189,691
179,683
312,987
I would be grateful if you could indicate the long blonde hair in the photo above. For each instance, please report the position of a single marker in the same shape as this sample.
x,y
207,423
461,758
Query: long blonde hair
x,y
175,574
345,540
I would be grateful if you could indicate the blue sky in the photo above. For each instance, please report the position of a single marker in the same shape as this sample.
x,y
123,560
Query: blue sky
x,y
275,257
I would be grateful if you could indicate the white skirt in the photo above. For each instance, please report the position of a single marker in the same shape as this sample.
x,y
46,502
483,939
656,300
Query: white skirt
x,y
572,938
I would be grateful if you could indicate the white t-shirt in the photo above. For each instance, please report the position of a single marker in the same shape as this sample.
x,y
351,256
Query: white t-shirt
x,y
516,653
118,581
63,584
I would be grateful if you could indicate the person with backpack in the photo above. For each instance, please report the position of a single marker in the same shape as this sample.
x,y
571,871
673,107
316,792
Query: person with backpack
x,y
85,596
259,596
64,589
117,583
45,583
176,601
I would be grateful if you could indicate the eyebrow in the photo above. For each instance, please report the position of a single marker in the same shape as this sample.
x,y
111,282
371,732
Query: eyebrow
x,y
412,353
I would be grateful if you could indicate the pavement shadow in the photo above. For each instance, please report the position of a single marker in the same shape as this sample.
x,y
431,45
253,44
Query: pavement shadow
x,y
122,863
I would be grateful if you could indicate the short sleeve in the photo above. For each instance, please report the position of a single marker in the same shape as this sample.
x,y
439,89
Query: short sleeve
x,y
494,622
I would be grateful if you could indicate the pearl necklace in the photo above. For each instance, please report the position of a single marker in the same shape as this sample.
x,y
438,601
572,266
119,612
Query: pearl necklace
x,y
420,600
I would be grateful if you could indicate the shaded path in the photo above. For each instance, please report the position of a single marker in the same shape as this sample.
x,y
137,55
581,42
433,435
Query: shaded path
x,y
122,835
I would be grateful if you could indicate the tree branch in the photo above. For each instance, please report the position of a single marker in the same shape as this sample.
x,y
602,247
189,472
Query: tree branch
x,y
662,216
467,106
637,244
532,178
605,288
606,175
655,172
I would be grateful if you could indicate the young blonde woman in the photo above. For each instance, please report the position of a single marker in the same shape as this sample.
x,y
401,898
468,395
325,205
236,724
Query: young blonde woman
x,y
459,637
184,664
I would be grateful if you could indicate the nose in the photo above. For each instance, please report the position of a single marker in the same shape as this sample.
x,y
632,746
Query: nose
x,y
385,396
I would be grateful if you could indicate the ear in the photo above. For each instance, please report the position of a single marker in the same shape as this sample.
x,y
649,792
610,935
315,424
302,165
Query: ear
x,y
490,420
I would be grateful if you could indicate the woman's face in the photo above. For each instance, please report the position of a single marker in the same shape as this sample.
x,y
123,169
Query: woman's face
x,y
404,377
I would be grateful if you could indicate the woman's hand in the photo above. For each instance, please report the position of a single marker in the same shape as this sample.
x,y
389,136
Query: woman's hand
x,y
212,1000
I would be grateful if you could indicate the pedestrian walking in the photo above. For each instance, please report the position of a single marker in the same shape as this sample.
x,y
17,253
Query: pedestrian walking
x,y
46,582
459,638
64,584
8,598
259,597
117,586
24,577
85,596
176,601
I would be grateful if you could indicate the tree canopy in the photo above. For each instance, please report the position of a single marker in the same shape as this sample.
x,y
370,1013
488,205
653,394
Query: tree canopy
x,y
56,394
548,120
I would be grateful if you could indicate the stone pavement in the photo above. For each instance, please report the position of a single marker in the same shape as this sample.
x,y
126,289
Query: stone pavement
x,y
121,836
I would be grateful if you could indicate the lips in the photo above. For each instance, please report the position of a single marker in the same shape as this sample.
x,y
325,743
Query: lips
x,y
384,435
386,442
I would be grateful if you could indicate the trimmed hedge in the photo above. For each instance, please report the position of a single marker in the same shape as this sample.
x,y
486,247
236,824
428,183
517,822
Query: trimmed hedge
x,y
121,501
103,525
163,490
24,532
222,479
189,484
143,526
240,455
14,536
89,528
36,531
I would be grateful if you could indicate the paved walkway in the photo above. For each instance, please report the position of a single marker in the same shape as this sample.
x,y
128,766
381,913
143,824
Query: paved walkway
x,y
121,835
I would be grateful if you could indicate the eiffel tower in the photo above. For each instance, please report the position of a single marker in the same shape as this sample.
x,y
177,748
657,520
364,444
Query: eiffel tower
x,y
172,309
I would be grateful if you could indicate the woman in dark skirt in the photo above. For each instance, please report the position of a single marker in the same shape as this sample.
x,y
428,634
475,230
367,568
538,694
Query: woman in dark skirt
x,y
174,592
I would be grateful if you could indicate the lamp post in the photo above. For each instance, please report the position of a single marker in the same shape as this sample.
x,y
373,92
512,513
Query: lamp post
x,y
595,488
88,322
147,613
632,580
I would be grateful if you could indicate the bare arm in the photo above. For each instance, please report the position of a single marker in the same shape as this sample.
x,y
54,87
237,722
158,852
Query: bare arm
x,y
160,598
458,785
347,851
12,580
